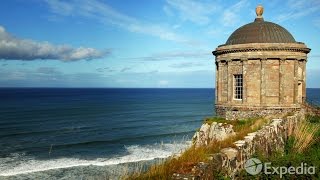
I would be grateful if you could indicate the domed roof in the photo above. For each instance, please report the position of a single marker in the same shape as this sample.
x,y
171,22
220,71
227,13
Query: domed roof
x,y
260,31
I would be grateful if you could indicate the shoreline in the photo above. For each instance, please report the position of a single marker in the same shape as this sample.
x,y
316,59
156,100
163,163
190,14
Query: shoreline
x,y
138,155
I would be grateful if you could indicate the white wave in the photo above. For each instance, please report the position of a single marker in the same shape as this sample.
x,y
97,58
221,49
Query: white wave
x,y
136,153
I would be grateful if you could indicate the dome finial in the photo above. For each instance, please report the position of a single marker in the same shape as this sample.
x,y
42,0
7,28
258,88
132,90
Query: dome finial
x,y
259,11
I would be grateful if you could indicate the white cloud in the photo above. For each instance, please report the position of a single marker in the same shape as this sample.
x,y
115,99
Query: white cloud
x,y
60,7
193,10
12,48
105,14
230,16
296,4
298,9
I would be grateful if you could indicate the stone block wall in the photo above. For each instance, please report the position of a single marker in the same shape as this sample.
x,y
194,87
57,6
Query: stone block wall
x,y
234,113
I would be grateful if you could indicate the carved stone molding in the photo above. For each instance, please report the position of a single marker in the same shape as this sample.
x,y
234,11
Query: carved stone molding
x,y
227,51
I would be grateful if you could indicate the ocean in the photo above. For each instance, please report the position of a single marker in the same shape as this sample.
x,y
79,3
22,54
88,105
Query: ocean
x,y
75,133
71,133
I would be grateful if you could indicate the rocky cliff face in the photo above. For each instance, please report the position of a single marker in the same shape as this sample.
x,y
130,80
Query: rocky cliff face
x,y
210,132
268,139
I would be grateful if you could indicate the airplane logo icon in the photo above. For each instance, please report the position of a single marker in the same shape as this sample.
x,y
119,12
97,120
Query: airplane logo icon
x,y
253,166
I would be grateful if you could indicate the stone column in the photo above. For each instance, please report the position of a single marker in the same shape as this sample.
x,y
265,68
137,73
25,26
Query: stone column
x,y
304,74
217,80
263,82
220,81
281,80
244,73
295,93
223,81
229,81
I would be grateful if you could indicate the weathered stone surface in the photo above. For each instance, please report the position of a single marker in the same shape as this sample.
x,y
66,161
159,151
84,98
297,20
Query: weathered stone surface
x,y
273,78
210,132
268,139
236,113
230,152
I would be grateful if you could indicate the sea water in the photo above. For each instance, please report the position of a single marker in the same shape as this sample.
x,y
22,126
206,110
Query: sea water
x,y
72,133
53,133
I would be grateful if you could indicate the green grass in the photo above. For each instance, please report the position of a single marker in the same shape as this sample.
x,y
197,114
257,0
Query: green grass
x,y
237,124
291,157
313,119
210,120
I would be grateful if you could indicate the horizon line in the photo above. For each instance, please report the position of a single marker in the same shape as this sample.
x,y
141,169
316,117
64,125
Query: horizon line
x,y
19,87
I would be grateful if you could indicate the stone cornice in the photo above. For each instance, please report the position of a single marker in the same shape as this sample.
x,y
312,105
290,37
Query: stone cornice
x,y
252,47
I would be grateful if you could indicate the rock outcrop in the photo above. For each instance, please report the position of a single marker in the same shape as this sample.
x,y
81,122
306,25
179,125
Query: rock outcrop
x,y
212,132
268,139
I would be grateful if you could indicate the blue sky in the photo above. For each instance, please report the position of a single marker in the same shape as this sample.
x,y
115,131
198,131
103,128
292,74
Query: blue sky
x,y
135,43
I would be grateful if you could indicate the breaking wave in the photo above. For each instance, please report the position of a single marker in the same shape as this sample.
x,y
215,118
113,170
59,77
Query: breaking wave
x,y
17,164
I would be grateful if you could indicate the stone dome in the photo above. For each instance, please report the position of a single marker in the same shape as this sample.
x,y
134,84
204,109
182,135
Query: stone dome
x,y
260,31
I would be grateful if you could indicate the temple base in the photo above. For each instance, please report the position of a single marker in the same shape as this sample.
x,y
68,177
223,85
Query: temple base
x,y
238,113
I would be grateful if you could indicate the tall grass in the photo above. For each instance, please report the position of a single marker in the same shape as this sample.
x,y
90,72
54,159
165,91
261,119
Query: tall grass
x,y
296,151
303,133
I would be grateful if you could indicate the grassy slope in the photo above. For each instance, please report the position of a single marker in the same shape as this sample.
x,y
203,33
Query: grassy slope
x,y
185,162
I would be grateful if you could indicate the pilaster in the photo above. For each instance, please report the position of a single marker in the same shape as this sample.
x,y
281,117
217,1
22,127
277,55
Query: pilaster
x,y
216,83
263,82
281,80
244,80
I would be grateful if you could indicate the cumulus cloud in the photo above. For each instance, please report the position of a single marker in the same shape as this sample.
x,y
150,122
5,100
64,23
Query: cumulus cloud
x,y
13,48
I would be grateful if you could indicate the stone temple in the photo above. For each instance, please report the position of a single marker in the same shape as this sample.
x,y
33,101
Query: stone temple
x,y
260,70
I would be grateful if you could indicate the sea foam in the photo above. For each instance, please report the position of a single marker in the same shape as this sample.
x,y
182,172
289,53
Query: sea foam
x,y
20,164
